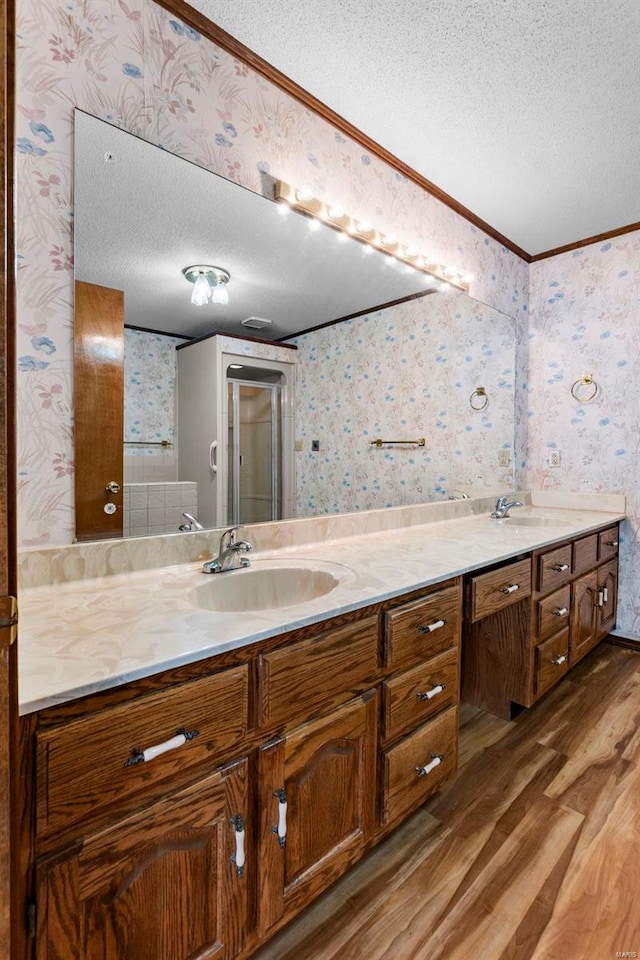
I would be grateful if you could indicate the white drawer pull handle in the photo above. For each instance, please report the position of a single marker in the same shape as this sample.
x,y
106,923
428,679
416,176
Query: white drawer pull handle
x,y
239,856
431,693
560,611
560,567
143,756
213,460
430,627
511,588
433,763
556,661
605,594
281,827
598,598
611,543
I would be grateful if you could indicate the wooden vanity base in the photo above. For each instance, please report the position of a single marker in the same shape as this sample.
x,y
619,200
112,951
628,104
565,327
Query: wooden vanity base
x,y
195,813
514,651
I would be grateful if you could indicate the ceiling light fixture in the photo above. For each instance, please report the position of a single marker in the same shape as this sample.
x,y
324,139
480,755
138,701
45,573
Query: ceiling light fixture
x,y
304,201
210,284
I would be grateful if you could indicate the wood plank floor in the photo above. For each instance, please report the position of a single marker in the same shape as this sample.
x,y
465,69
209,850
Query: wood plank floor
x,y
531,853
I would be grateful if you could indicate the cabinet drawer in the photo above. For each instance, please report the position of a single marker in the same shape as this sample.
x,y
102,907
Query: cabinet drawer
x,y
500,588
553,612
608,543
554,568
552,661
422,629
301,680
90,763
415,695
406,784
585,554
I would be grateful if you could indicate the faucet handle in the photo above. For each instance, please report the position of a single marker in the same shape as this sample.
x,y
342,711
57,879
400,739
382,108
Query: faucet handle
x,y
229,537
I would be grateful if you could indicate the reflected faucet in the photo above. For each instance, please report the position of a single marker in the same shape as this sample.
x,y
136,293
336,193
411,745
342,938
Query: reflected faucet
x,y
503,506
229,553
192,523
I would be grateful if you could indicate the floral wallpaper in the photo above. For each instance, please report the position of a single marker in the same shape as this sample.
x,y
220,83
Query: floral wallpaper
x,y
137,66
585,318
402,373
149,391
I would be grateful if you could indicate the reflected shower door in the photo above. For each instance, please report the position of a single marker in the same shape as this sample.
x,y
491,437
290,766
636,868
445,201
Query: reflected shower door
x,y
255,452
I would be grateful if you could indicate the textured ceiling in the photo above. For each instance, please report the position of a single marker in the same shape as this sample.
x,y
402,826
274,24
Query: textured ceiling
x,y
527,112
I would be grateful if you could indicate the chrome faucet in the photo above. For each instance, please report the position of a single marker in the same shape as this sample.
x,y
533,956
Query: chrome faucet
x,y
229,553
503,506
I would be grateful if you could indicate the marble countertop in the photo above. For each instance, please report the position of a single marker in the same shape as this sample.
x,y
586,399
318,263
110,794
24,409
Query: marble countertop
x,y
83,636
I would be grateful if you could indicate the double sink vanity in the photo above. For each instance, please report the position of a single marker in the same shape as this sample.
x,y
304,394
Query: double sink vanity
x,y
204,755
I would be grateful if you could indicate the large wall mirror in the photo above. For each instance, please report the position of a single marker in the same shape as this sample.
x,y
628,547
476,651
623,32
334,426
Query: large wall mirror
x,y
408,359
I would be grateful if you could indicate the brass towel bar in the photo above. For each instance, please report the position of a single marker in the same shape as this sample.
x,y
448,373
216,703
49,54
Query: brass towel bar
x,y
148,443
420,442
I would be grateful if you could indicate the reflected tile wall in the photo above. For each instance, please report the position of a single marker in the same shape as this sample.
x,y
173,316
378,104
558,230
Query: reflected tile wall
x,y
157,508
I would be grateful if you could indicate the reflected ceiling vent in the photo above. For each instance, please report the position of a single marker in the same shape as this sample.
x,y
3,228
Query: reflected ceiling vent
x,y
256,323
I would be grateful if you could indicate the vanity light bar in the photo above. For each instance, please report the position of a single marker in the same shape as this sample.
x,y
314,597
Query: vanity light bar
x,y
305,202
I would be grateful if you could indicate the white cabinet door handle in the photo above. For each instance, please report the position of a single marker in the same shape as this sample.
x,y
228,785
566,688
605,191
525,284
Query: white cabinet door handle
x,y
433,763
239,856
281,827
511,588
212,456
428,694
557,661
150,753
430,627
605,594
560,567
560,611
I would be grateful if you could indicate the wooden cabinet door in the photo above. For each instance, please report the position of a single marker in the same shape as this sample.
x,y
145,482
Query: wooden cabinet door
x,y
317,807
583,615
608,587
160,885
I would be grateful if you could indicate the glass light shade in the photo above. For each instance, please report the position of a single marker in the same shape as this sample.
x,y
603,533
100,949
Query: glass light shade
x,y
220,294
201,291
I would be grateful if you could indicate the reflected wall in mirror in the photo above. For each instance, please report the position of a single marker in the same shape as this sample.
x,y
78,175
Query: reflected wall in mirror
x,y
398,372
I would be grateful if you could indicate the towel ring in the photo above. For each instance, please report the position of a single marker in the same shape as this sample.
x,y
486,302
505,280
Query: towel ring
x,y
478,394
586,380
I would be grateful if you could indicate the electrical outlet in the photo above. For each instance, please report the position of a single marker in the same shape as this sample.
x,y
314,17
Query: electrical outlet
x,y
554,458
503,458
315,445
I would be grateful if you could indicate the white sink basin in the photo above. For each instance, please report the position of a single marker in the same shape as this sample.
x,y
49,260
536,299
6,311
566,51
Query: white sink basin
x,y
515,521
268,585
